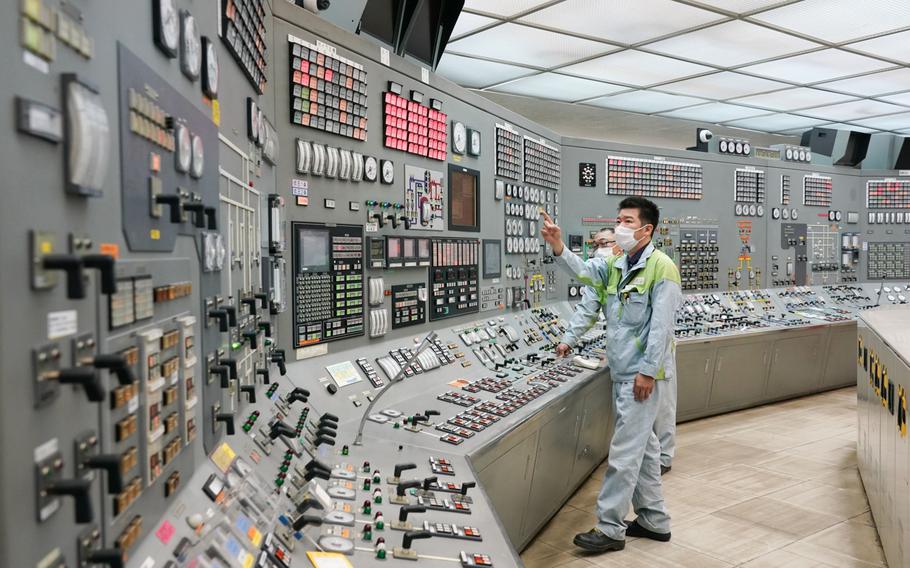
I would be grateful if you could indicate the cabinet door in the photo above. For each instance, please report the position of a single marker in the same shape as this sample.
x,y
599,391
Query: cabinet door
x,y
694,369
596,418
507,482
556,457
739,375
841,368
794,365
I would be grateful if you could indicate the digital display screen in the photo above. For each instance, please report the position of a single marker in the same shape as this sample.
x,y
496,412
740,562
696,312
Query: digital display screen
x,y
423,248
492,258
463,202
410,248
394,251
312,249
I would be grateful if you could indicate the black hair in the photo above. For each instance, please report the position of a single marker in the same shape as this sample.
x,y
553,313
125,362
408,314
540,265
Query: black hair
x,y
647,209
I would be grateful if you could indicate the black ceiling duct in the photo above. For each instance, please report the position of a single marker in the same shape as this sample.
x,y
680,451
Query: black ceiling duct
x,y
419,28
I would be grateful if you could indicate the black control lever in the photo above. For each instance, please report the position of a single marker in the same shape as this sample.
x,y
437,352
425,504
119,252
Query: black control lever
x,y
320,440
325,432
105,264
316,463
298,394
379,218
253,337
72,265
428,481
115,364
230,364
467,485
222,318
113,557
86,377
266,327
212,218
277,357
429,413
251,303
231,313
250,391
265,375
393,219
110,463
304,520
263,299
80,491
327,416
405,485
175,205
222,372
281,429
407,509
198,210
228,419
316,472
411,536
403,467
309,503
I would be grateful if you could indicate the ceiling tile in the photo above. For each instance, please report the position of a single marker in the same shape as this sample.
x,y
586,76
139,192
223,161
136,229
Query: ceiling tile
x,y
776,122
893,46
839,20
558,87
732,43
793,99
853,110
724,85
504,8
714,112
468,22
816,66
477,73
898,121
635,68
515,43
645,101
741,6
893,81
900,98
621,20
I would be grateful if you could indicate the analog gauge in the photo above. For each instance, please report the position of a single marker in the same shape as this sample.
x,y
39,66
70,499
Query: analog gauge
x,y
521,246
794,215
260,136
521,229
753,210
739,147
785,213
789,153
747,148
521,192
473,142
808,156
198,157
209,68
459,137
184,153
738,209
838,216
166,30
190,46
388,172
760,210
831,215
802,156
723,146
509,245
508,227
252,119
370,168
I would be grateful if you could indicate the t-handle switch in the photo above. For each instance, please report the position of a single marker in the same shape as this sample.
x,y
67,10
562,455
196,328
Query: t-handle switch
x,y
116,364
78,489
106,264
72,265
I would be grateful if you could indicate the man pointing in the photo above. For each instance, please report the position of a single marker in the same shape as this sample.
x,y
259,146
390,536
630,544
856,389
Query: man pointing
x,y
639,291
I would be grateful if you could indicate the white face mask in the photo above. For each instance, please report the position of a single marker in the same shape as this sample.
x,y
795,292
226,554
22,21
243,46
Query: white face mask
x,y
603,252
625,237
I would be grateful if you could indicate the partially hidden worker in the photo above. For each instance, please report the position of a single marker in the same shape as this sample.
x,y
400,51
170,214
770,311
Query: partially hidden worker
x,y
639,292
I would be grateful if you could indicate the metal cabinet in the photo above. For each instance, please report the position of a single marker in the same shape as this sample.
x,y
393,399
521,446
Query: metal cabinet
x,y
739,375
595,430
507,481
794,365
694,370
841,357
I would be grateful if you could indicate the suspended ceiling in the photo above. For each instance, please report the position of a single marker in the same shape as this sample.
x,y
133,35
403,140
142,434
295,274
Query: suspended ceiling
x,y
779,66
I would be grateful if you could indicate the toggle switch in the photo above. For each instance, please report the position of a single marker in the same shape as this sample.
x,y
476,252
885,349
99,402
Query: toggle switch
x,y
252,336
399,468
250,391
304,520
263,299
402,524
211,218
251,304
400,498
117,365
221,371
277,356
72,265
266,327
106,264
198,211
80,491
110,463
86,377
231,313
265,375
113,557
404,551
174,204
228,419
298,394
222,317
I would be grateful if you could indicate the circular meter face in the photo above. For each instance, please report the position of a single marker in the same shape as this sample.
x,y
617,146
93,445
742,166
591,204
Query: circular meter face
x,y
198,157
184,153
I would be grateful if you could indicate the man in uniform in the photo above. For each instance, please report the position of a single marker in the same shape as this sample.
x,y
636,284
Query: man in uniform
x,y
640,292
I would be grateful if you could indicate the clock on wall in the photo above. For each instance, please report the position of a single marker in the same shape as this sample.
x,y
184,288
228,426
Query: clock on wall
x,y
388,171
209,68
473,142
166,26
459,137
587,174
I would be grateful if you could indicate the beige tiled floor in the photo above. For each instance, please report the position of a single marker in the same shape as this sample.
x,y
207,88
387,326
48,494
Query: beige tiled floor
x,y
769,487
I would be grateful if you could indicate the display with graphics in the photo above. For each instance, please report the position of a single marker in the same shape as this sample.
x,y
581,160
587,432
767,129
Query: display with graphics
x,y
424,198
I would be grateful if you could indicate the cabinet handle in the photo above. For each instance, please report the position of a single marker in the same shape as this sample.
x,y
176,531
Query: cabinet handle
x,y
563,409
707,362
720,363
527,465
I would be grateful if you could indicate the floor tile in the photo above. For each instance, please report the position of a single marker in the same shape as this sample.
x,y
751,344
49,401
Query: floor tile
x,y
748,479
841,503
563,527
730,539
784,517
784,559
844,544
798,467
660,555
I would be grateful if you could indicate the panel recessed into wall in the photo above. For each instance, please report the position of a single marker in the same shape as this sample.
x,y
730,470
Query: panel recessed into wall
x,y
653,178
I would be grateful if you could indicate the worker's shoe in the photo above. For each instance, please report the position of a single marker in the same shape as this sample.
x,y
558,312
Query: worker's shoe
x,y
636,530
665,469
596,541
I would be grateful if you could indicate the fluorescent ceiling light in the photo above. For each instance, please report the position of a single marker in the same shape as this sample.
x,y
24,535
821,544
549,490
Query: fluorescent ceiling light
x,y
893,81
900,98
558,87
792,99
645,101
839,20
893,46
504,8
515,43
621,20
724,85
634,68
891,122
776,122
714,112
740,6
853,110
477,73
816,66
468,22
732,43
